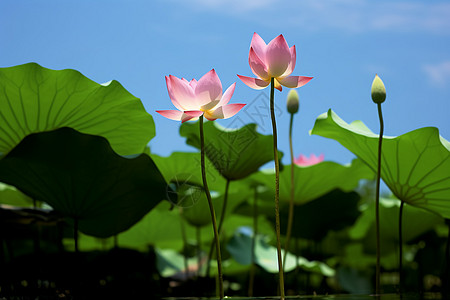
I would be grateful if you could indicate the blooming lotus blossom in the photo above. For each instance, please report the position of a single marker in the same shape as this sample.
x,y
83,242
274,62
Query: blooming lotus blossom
x,y
196,98
304,161
275,60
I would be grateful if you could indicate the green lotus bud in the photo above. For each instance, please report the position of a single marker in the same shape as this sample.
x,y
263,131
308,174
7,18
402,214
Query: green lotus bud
x,y
292,101
378,90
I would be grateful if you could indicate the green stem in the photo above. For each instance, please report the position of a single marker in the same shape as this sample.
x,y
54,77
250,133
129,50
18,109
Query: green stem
x,y
222,217
377,203
291,200
211,209
277,187
400,247
199,249
252,254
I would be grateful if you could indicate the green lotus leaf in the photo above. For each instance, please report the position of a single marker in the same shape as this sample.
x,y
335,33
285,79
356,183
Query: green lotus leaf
x,y
415,222
313,181
184,168
167,219
11,196
415,165
266,255
142,234
35,99
82,178
171,264
199,213
236,153
332,211
183,172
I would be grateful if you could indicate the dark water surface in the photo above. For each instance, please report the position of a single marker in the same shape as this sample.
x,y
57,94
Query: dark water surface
x,y
329,297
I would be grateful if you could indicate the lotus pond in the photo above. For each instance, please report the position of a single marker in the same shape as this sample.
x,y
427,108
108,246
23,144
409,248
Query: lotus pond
x,y
88,211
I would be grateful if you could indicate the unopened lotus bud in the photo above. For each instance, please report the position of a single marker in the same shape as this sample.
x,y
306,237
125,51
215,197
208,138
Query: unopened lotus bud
x,y
378,90
292,101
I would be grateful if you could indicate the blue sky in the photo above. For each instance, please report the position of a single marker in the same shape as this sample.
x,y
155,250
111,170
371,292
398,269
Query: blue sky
x,y
342,44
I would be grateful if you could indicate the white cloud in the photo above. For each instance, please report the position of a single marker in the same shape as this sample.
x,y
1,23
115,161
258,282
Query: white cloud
x,y
439,74
365,15
348,15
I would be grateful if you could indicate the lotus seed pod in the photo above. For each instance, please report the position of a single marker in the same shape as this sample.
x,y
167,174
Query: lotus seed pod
x,y
378,90
292,101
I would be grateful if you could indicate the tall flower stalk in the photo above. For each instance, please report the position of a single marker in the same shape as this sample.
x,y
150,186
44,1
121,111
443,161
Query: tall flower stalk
x,y
221,220
211,209
277,188
273,64
292,107
378,96
195,100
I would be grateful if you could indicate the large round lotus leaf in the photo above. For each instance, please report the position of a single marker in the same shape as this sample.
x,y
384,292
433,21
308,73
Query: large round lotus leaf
x,y
11,196
415,165
236,153
82,178
199,213
240,247
313,181
332,211
185,168
415,223
35,99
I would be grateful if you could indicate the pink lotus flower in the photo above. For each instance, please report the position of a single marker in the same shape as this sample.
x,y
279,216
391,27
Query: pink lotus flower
x,y
202,97
304,161
275,60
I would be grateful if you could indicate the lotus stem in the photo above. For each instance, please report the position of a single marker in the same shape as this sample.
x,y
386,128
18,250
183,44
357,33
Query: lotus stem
x,y
222,217
211,209
277,187
377,203
291,199
400,247
199,249
251,280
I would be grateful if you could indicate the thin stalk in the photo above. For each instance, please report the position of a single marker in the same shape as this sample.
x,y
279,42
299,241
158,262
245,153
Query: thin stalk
x,y
222,217
185,254
251,280
291,200
211,209
277,188
400,247
199,249
377,203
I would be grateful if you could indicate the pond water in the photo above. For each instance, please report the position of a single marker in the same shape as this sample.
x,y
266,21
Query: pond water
x,y
330,297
